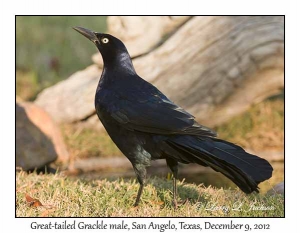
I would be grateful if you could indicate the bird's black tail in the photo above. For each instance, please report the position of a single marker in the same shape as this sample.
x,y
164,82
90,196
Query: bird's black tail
x,y
244,169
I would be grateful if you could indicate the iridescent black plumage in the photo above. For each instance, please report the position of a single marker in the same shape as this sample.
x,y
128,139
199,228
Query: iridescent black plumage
x,y
146,125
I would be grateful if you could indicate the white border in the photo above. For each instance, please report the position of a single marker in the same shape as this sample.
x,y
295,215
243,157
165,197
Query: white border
x,y
8,11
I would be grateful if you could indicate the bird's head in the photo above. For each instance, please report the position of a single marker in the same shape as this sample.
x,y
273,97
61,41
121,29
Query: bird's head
x,y
113,50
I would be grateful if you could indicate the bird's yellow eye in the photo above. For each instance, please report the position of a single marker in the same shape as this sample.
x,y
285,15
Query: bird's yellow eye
x,y
105,40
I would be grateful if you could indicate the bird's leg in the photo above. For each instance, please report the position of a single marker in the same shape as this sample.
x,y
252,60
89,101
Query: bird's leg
x,y
140,172
175,192
174,188
173,165
138,198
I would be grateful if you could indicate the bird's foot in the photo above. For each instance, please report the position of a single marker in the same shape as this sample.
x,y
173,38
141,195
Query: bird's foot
x,y
134,208
177,204
135,204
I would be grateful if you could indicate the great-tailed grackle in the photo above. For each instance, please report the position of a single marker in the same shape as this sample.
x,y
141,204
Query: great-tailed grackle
x,y
146,125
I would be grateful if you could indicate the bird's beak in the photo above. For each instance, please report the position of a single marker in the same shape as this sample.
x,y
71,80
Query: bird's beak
x,y
87,33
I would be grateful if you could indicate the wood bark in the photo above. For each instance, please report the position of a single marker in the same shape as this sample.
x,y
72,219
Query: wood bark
x,y
213,66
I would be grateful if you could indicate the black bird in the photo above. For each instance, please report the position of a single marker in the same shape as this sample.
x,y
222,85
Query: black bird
x,y
146,125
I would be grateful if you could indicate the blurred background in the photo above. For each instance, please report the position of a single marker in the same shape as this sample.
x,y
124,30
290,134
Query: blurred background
x,y
226,71
48,51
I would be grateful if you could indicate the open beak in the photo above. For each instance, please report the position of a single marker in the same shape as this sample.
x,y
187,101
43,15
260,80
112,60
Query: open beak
x,y
87,33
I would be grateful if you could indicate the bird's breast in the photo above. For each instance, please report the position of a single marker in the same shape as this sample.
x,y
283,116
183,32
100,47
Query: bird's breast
x,y
138,147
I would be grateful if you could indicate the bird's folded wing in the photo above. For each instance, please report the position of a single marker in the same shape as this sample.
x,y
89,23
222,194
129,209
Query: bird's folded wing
x,y
155,114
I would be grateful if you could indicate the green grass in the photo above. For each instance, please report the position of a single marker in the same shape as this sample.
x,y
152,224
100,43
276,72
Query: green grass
x,y
65,197
49,49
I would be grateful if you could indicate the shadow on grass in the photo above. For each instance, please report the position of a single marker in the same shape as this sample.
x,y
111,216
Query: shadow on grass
x,y
185,191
